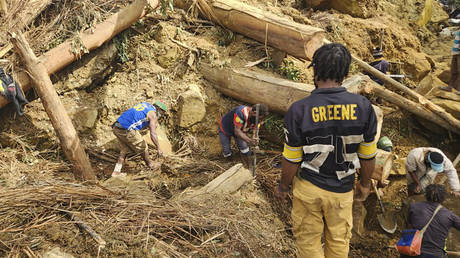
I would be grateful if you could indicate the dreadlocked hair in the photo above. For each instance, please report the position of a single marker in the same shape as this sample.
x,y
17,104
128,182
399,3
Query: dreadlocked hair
x,y
331,62
435,193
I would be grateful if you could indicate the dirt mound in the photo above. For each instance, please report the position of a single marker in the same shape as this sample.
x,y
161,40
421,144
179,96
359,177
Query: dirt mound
x,y
159,58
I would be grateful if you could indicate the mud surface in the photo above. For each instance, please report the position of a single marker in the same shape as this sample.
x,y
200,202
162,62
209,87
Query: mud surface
x,y
145,63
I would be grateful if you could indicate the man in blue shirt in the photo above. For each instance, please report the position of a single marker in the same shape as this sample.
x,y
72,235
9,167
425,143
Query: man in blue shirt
x,y
127,128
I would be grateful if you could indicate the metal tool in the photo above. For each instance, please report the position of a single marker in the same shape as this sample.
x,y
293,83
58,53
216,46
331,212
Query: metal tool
x,y
386,222
256,136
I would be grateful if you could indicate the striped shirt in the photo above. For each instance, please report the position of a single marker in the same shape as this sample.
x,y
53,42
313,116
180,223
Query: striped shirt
x,y
456,47
328,133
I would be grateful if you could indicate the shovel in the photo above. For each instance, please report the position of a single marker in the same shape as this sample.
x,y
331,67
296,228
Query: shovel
x,y
386,222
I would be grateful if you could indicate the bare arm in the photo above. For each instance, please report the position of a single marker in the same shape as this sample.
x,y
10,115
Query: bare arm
x,y
288,172
367,168
240,134
153,133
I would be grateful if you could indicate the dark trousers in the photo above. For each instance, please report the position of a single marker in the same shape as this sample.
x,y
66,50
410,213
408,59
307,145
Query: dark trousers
x,y
455,73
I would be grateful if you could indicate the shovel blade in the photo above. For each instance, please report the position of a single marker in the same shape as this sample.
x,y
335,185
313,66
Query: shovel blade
x,y
387,223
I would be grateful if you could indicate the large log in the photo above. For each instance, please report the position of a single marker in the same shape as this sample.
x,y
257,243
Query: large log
x,y
64,54
439,111
408,105
55,109
253,87
295,39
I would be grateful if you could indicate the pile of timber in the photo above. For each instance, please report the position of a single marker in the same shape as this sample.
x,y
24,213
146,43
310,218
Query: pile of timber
x,y
301,41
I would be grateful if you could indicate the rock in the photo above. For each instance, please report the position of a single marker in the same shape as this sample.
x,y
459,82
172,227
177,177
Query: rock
x,y
56,253
88,72
165,144
416,64
362,9
168,59
192,108
85,118
451,106
438,14
446,95
383,164
399,167
444,76
428,84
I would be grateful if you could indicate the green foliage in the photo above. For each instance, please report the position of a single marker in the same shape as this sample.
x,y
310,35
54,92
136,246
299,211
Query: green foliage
x,y
226,37
165,4
289,70
274,124
122,44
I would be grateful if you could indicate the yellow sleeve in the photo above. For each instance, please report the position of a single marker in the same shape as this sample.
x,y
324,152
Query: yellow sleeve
x,y
292,154
367,150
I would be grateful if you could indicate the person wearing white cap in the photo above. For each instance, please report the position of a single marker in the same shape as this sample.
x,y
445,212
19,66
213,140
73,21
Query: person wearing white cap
x,y
424,164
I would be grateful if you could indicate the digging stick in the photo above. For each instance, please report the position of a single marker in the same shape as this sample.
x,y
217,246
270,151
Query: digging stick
x,y
256,136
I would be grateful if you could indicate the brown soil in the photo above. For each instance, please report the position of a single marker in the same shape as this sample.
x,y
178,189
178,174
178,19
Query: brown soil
x,y
248,223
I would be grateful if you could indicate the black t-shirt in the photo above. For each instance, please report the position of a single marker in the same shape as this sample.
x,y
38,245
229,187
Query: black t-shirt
x,y
435,235
329,127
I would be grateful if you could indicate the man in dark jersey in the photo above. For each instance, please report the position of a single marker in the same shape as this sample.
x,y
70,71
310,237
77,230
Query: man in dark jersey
x,y
329,135
236,123
127,128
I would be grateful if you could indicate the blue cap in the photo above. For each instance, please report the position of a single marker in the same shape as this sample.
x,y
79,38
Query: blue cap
x,y
436,162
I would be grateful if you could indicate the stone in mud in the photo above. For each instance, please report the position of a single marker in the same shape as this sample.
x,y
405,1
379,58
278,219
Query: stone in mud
x,y
416,64
89,71
444,76
428,84
168,59
362,9
86,118
451,106
192,108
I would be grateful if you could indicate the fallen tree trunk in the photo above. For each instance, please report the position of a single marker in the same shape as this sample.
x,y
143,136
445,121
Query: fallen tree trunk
x,y
55,109
295,39
279,94
253,87
455,123
408,105
64,54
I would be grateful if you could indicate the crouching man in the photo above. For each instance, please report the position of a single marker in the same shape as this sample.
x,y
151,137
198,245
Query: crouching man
x,y
424,164
237,123
127,128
